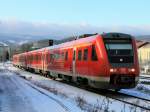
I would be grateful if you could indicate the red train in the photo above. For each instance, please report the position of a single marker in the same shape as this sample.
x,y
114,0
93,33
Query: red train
x,y
107,61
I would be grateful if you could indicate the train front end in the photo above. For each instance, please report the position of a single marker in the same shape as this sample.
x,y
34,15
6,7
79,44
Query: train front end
x,y
122,56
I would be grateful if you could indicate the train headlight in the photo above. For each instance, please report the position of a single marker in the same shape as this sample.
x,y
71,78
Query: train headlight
x,y
113,70
132,70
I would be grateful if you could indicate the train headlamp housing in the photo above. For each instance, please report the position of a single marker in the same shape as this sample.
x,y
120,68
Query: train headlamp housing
x,y
132,70
113,70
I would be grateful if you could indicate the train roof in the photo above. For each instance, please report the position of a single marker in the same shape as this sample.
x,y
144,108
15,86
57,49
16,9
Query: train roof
x,y
74,42
90,39
116,35
19,54
38,50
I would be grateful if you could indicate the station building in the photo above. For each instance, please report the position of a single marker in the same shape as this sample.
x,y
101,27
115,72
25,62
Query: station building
x,y
4,52
144,54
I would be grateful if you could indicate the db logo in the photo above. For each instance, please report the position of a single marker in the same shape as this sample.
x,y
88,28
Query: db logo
x,y
121,60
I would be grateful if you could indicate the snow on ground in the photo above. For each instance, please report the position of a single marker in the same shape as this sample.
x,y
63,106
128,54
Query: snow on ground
x,y
145,75
141,90
87,101
17,96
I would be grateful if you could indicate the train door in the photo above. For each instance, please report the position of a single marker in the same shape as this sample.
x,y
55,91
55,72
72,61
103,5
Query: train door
x,y
43,61
42,56
74,62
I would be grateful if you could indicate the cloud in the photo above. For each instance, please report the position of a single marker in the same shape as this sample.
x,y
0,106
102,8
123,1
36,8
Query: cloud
x,y
63,30
21,27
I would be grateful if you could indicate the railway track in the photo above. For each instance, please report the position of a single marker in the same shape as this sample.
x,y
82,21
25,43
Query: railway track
x,y
57,101
129,99
145,77
134,101
125,98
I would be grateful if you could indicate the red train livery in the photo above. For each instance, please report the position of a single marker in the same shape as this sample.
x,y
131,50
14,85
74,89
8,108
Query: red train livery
x,y
107,61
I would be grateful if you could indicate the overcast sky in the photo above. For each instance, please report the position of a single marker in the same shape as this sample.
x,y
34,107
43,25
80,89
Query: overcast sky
x,y
71,17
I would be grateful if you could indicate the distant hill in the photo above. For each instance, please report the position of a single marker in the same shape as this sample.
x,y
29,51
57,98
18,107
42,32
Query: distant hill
x,y
20,39
143,38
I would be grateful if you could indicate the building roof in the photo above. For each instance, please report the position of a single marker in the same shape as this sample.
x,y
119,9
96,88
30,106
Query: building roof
x,y
140,43
146,46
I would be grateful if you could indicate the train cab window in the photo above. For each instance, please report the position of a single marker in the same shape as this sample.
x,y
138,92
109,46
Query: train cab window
x,y
94,55
79,55
66,56
85,56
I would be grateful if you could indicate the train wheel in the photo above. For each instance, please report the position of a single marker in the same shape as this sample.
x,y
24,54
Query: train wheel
x,y
49,75
67,78
53,75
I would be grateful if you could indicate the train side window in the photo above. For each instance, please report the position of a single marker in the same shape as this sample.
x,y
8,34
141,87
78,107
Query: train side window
x,y
51,57
47,57
66,56
74,55
85,56
37,57
94,55
31,58
62,55
79,55
34,57
56,56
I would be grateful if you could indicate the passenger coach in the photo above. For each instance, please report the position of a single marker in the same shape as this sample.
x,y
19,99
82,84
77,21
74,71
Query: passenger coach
x,y
107,61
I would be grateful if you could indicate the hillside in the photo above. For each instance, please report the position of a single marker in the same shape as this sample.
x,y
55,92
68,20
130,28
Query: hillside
x,y
19,39
144,37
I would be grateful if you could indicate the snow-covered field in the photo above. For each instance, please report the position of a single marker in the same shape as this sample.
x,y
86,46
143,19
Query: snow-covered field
x,y
73,99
